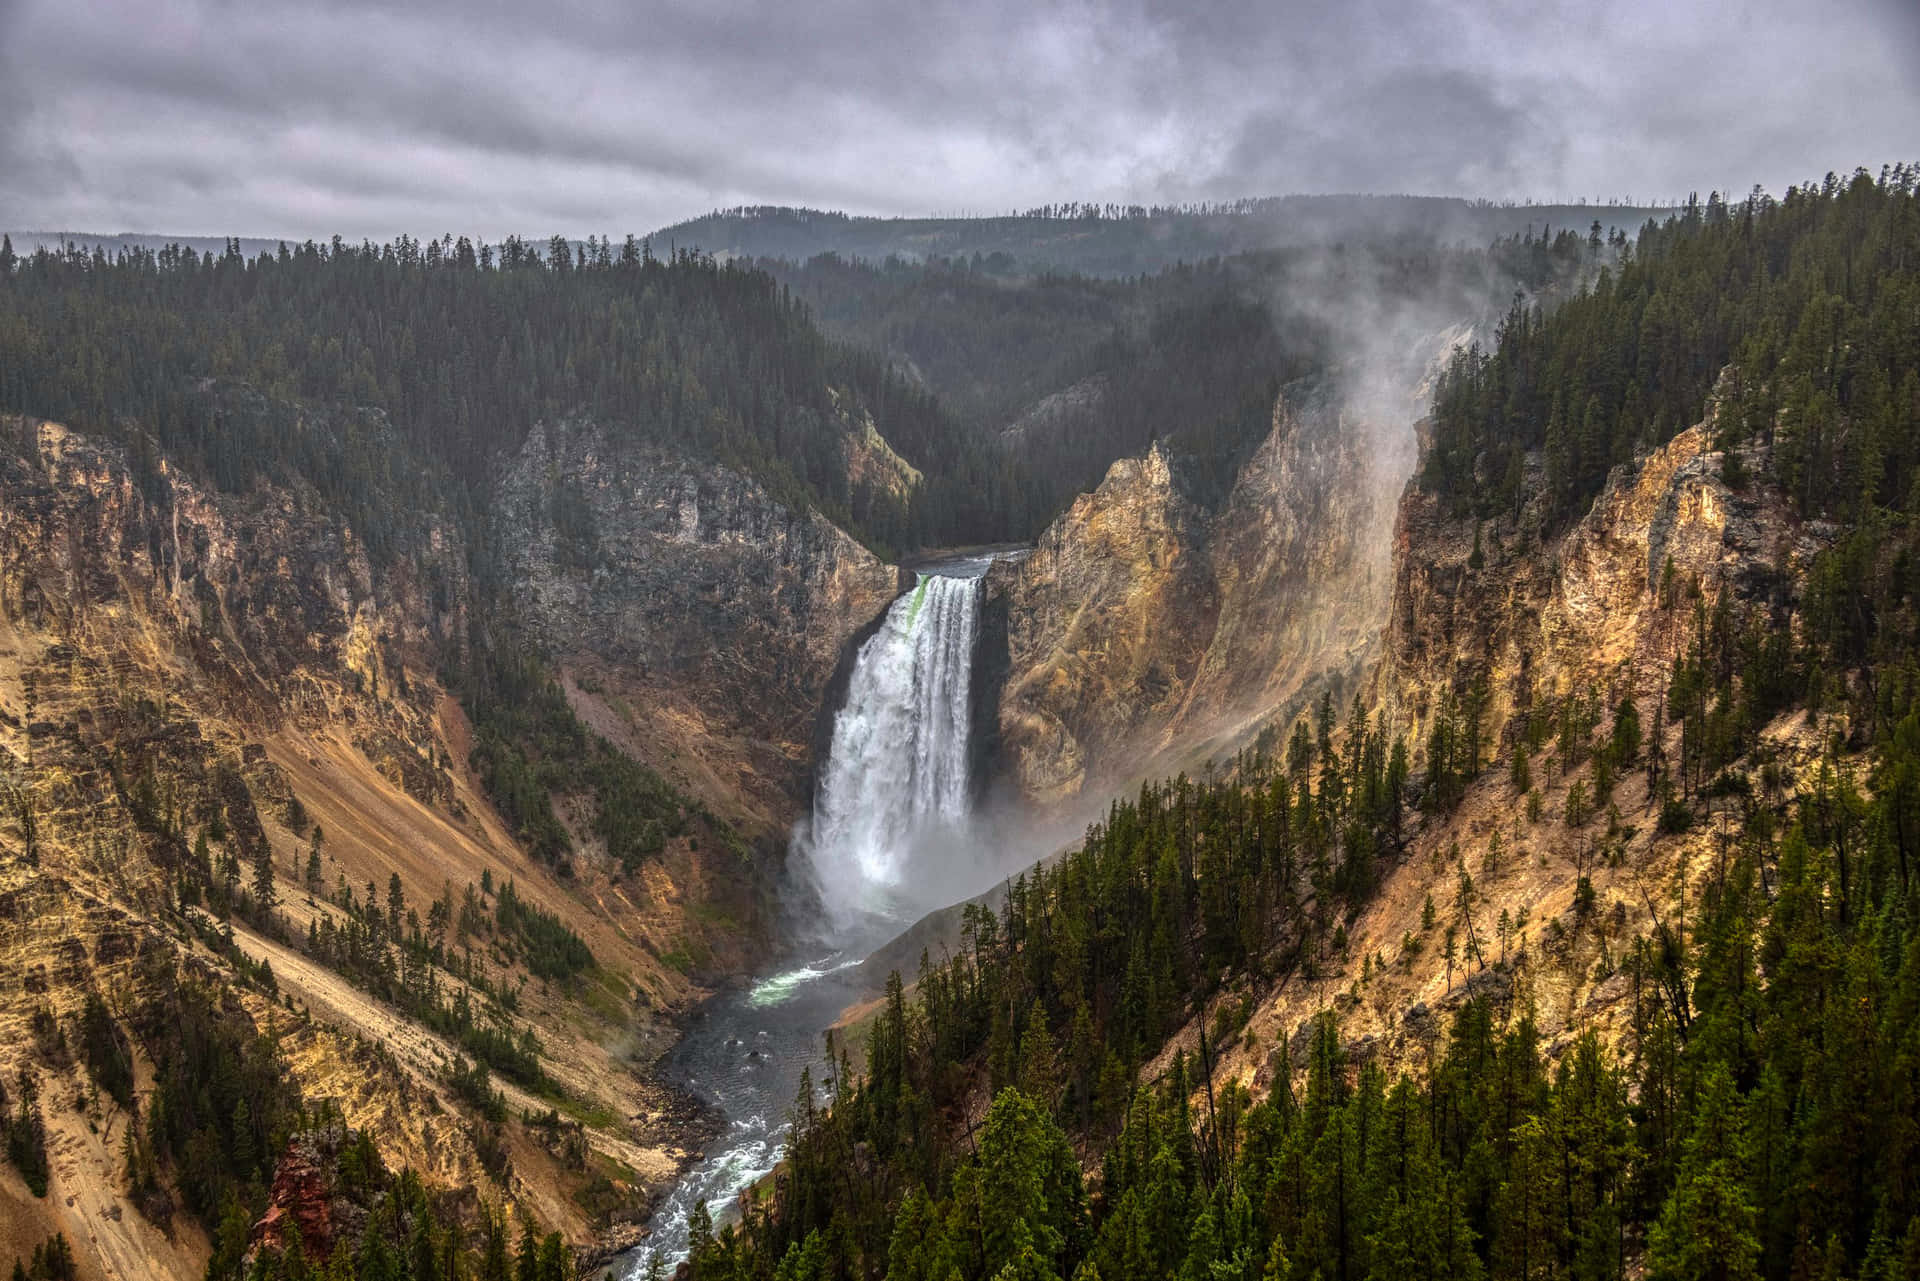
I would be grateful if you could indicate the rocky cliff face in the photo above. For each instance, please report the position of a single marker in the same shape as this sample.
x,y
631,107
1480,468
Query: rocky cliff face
x,y
178,663
1101,625
1551,903
1607,604
698,621
1144,625
168,628
166,654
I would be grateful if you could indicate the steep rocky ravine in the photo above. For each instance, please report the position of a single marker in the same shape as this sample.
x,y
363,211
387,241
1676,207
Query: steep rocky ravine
x,y
176,661
1144,628
1537,888
179,664
698,622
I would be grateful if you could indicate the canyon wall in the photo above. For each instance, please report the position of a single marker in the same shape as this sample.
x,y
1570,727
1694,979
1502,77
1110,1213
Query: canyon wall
x,y
1147,632
1539,901
697,621
1606,604
1145,625
184,669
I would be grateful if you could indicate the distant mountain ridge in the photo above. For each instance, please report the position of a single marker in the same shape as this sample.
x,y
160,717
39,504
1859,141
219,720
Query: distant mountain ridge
x,y
1118,241
1110,240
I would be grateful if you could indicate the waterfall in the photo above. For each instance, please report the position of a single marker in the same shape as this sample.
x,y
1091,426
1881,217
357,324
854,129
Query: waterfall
x,y
890,837
894,789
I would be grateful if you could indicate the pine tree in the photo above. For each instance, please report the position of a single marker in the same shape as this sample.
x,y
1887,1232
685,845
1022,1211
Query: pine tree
x,y
700,1244
266,895
1038,1078
1706,1229
27,1137
1030,1190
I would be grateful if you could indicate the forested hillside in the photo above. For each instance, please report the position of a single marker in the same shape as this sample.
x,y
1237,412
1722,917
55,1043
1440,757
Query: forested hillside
x,y
1759,1113
1060,373
1809,301
1096,238
464,354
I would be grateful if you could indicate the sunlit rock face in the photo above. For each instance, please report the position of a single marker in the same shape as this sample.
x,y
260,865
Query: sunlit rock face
x,y
1146,624
1100,624
1606,603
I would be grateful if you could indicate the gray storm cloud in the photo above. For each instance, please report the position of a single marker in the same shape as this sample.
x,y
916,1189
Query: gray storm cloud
x,y
370,118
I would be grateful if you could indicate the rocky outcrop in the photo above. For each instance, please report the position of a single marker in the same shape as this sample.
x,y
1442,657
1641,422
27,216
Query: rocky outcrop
x,y
1101,620
1605,604
701,619
1145,624
306,1197
1072,408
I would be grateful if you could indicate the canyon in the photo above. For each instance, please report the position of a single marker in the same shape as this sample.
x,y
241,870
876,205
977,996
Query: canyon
x,y
176,659
248,660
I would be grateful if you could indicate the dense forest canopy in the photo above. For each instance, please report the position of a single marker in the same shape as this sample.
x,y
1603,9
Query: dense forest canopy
x,y
1812,300
464,354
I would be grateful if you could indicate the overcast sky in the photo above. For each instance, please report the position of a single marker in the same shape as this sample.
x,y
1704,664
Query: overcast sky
x,y
310,117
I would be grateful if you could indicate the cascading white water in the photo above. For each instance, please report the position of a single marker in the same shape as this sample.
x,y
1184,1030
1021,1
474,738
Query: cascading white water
x,y
889,838
895,780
